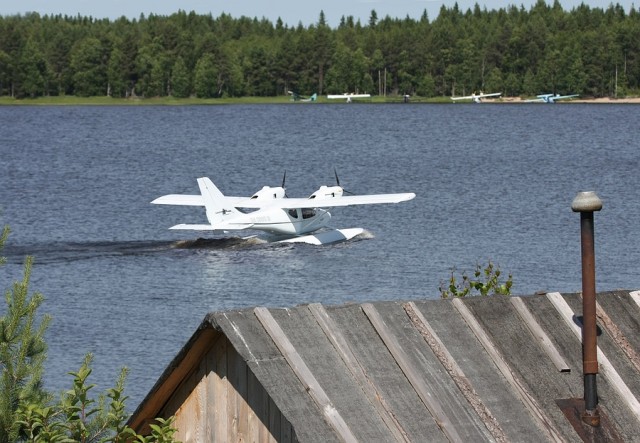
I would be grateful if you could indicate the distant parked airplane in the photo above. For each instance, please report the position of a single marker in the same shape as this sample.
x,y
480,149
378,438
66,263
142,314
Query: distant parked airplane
x,y
348,97
477,98
549,98
301,98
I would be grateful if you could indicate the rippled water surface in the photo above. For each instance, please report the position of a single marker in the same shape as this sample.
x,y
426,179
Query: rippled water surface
x,y
492,182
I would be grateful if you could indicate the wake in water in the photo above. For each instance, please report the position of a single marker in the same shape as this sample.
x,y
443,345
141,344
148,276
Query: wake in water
x,y
220,243
55,252
71,251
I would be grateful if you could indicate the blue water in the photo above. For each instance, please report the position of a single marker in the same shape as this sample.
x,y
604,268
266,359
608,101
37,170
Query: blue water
x,y
492,182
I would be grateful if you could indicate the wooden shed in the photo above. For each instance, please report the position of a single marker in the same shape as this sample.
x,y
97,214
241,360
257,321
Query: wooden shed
x,y
474,369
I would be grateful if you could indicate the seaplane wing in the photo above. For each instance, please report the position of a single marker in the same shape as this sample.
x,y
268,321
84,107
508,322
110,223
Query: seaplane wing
x,y
331,202
291,219
193,200
287,203
347,97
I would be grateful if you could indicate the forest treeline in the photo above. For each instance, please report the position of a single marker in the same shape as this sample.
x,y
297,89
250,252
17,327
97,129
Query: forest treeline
x,y
545,49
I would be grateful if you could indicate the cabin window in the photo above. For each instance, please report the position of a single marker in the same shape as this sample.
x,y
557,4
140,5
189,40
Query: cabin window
x,y
308,213
293,213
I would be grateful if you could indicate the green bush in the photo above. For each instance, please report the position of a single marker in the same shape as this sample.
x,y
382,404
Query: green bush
x,y
485,281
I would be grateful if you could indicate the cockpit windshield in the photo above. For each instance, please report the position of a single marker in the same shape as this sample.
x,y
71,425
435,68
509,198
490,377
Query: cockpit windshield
x,y
308,213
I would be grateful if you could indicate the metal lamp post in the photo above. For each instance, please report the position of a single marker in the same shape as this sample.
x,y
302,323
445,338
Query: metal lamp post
x,y
586,203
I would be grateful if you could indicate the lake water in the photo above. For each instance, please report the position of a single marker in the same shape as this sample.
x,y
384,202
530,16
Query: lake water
x,y
492,182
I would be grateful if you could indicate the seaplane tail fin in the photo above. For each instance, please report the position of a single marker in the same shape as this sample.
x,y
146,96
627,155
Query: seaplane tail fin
x,y
217,210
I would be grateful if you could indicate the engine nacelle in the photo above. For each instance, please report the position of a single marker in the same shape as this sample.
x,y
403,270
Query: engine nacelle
x,y
327,192
269,193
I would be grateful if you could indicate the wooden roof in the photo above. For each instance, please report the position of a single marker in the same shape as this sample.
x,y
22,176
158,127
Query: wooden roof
x,y
473,369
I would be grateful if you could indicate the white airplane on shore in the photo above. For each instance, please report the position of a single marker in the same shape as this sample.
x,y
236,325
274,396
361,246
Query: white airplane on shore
x,y
550,98
287,219
348,97
477,98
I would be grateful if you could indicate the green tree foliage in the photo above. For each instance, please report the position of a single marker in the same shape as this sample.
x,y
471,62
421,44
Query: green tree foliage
x,y
485,281
34,71
589,51
180,84
89,70
22,352
28,413
206,77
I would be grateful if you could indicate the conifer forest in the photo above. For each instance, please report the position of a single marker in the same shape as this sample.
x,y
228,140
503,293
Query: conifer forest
x,y
589,51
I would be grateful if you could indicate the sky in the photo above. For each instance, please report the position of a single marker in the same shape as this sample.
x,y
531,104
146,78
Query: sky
x,y
292,12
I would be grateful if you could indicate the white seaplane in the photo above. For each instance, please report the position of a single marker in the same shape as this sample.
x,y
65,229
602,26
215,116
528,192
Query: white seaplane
x,y
294,220
477,98
550,98
349,97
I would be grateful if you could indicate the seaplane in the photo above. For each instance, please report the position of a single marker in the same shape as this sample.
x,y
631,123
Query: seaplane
x,y
271,211
477,98
550,98
301,98
349,97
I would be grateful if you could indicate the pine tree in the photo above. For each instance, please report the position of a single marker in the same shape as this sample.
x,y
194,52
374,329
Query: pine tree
x,y
27,411
22,352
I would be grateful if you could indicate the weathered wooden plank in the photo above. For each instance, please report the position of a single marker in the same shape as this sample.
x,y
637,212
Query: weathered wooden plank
x,y
635,295
305,376
239,381
200,400
374,396
492,388
454,370
410,372
540,335
187,416
605,366
322,359
617,336
258,410
212,378
274,421
220,392
286,430
624,313
541,418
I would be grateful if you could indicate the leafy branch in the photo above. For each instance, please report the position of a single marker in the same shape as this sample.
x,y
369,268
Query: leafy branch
x,y
485,281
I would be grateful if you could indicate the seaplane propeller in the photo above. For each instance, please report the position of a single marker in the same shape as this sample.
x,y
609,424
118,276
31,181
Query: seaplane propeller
x,y
338,182
284,178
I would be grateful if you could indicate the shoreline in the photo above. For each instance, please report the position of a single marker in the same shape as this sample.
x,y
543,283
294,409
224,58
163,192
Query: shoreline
x,y
602,100
171,101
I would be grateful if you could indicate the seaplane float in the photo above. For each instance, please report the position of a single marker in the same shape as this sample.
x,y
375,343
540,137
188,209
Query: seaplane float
x,y
283,219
